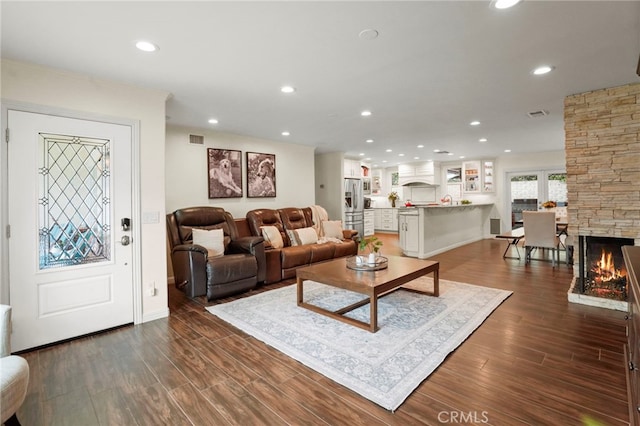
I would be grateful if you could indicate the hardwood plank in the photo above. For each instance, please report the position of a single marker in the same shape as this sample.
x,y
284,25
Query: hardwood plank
x,y
74,407
291,412
239,406
326,404
111,408
197,408
154,406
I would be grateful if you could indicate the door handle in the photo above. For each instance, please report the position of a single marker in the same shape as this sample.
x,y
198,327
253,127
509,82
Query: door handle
x,y
125,240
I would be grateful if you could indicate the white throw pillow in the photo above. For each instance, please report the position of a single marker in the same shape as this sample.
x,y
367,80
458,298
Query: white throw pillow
x,y
332,229
212,240
304,236
272,236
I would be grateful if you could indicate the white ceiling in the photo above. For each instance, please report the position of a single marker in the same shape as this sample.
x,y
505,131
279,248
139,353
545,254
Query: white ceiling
x,y
435,66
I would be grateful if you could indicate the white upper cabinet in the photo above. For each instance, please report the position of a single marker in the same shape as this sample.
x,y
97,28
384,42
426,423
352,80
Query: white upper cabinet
x,y
426,172
356,169
478,176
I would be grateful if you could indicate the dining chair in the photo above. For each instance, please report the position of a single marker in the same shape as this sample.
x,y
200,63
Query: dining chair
x,y
540,232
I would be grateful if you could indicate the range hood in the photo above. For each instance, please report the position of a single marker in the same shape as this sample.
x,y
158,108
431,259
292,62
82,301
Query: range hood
x,y
418,181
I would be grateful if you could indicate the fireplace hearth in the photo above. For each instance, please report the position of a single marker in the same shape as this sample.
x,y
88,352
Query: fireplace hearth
x,y
601,268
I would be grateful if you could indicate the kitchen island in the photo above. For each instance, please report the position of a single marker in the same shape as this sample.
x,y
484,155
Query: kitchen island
x,y
428,230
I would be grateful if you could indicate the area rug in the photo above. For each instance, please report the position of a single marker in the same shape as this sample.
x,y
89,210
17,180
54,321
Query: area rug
x,y
416,334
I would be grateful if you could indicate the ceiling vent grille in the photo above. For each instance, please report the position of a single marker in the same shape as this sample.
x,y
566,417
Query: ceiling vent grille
x,y
196,139
537,114
442,152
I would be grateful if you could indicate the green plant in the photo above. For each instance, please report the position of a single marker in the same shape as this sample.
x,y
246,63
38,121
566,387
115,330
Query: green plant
x,y
465,202
372,243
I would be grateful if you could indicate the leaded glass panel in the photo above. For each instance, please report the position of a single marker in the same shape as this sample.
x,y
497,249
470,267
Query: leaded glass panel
x,y
74,181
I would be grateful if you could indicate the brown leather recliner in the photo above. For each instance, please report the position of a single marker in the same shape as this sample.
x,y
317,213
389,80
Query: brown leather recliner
x,y
240,269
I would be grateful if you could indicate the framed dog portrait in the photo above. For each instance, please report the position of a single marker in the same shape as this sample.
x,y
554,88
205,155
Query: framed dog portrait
x,y
261,175
225,173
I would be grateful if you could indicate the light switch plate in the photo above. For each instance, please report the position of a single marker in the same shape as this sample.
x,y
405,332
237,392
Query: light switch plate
x,y
150,217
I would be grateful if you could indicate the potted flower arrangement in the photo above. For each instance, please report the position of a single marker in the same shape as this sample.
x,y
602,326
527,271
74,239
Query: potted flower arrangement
x,y
373,244
393,196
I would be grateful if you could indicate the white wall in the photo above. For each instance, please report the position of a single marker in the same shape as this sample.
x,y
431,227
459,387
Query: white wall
x,y
186,171
329,183
37,85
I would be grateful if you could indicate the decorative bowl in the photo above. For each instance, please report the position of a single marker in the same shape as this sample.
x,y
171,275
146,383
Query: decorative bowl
x,y
361,263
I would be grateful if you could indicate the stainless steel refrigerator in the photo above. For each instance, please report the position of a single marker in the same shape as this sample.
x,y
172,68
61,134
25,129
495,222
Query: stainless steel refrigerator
x,y
354,205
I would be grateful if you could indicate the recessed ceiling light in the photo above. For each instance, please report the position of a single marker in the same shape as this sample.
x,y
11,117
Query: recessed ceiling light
x,y
420,146
400,155
461,157
285,133
543,69
368,34
482,140
507,150
362,154
474,123
505,4
213,121
365,113
368,158
146,46
369,141
450,153
389,150
436,150
287,89
416,158
384,161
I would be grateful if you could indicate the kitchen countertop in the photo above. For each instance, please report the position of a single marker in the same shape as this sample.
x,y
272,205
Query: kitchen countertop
x,y
440,206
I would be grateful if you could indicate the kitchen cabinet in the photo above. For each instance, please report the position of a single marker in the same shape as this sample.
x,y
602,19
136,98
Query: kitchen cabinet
x,y
409,230
471,176
487,176
377,219
369,222
478,176
352,168
426,172
356,169
386,220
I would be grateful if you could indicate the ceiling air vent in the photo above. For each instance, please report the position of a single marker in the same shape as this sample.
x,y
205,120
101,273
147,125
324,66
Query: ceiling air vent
x,y
442,152
537,114
196,139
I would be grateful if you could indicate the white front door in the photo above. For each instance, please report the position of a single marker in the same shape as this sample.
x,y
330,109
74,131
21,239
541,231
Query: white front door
x,y
70,266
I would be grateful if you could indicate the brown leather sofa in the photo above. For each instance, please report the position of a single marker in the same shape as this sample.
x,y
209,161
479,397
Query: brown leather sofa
x,y
283,262
241,267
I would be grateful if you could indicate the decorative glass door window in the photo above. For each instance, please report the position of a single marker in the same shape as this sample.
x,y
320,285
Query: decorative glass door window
x,y
73,198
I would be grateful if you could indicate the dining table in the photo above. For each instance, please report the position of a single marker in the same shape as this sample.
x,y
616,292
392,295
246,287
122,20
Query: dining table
x,y
514,236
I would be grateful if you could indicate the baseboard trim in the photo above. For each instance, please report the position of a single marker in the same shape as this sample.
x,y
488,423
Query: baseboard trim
x,y
164,313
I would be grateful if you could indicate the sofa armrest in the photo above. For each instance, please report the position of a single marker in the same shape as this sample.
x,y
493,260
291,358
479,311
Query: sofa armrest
x,y
255,246
190,269
5,330
349,234
244,244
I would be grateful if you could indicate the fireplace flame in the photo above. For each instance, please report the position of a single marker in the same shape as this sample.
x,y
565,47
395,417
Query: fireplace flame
x,y
605,270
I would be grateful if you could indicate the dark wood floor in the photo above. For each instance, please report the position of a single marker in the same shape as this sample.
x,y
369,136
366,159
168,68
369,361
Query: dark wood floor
x,y
537,360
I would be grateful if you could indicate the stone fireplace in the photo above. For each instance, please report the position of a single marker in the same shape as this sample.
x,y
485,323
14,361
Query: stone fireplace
x,y
602,146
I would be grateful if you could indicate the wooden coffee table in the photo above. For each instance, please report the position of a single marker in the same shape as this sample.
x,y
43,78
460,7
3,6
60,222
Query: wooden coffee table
x,y
373,284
